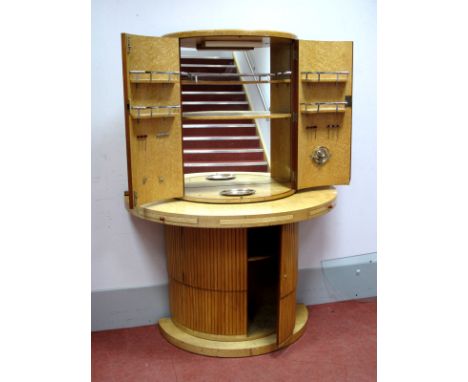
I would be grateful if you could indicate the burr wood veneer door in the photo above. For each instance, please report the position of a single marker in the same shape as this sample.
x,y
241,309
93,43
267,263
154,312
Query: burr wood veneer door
x,y
153,118
324,117
287,284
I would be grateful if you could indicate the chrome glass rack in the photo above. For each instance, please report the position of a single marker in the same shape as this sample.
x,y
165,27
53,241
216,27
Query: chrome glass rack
x,y
142,75
317,105
195,76
154,111
319,75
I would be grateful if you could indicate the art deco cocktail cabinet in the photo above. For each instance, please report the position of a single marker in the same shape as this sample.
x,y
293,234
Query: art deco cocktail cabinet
x,y
228,190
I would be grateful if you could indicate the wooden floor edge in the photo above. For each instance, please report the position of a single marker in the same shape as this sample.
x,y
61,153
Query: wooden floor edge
x,y
212,348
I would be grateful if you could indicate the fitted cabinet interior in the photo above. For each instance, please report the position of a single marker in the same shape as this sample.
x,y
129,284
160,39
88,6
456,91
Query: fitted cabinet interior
x,y
192,116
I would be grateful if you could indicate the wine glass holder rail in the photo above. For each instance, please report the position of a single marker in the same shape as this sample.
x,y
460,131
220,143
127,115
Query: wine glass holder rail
x,y
317,105
319,75
154,111
196,76
150,76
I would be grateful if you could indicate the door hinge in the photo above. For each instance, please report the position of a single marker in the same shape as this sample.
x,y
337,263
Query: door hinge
x,y
129,45
349,101
294,117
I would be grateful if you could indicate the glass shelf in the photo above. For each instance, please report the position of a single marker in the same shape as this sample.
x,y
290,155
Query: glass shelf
x,y
238,114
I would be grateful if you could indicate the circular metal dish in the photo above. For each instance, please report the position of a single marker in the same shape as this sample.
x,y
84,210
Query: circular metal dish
x,y
222,176
238,192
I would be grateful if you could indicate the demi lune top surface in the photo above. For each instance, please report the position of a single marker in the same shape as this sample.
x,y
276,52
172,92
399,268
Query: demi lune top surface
x,y
237,188
303,205
231,32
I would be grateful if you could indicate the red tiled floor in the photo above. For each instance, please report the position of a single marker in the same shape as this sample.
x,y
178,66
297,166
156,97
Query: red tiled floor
x,y
339,345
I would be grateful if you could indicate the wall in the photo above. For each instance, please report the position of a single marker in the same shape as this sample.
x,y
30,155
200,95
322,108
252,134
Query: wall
x,y
128,252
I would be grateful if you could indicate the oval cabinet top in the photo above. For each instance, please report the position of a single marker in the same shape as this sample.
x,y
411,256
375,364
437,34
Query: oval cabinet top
x,y
231,32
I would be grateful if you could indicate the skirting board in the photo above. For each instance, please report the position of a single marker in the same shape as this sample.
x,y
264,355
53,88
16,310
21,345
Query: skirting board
x,y
343,279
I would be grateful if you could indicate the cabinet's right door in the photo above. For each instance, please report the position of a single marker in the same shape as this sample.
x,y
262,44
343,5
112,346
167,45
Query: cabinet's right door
x,y
287,284
325,74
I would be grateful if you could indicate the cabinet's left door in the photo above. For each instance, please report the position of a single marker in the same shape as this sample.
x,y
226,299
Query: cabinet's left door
x,y
151,73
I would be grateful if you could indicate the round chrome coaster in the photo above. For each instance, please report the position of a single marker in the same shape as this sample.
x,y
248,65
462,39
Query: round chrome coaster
x,y
238,192
223,176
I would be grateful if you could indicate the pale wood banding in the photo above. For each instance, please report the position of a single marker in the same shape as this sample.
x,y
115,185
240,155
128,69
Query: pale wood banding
x,y
258,333
254,221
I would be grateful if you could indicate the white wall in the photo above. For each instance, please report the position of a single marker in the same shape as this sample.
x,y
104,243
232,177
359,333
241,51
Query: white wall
x,y
128,252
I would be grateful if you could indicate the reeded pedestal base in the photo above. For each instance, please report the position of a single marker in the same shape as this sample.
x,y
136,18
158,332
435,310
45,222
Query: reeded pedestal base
x,y
256,346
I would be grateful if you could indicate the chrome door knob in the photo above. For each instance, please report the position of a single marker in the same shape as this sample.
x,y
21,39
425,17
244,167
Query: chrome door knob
x,y
320,155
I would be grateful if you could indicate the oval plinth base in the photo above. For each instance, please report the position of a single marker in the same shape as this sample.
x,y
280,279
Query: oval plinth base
x,y
246,348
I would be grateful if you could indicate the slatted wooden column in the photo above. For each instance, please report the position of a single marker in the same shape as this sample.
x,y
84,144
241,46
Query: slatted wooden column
x,y
208,279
